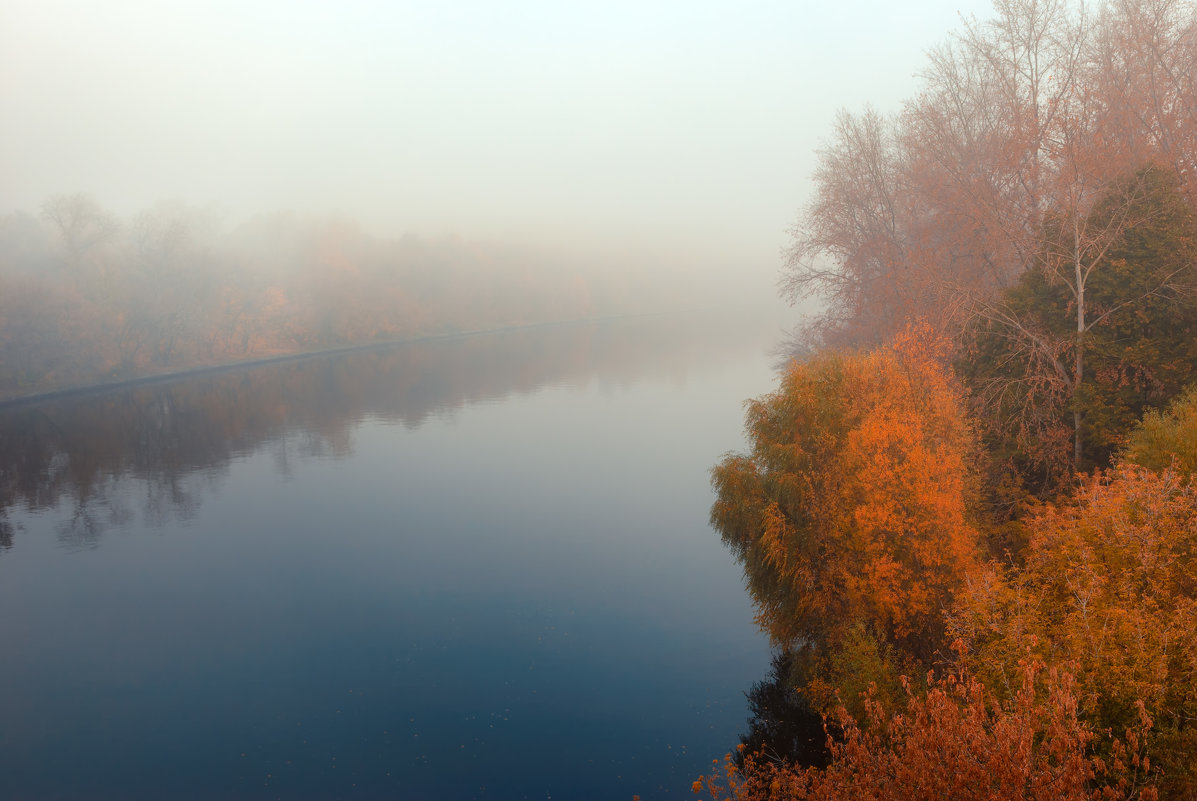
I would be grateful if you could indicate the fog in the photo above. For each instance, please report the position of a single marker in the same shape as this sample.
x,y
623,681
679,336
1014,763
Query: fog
x,y
669,139
671,121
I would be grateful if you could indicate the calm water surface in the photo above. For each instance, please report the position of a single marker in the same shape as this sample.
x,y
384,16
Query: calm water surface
x,y
461,569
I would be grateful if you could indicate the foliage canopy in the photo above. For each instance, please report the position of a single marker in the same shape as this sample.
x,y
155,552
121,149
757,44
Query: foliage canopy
x,y
1110,589
852,507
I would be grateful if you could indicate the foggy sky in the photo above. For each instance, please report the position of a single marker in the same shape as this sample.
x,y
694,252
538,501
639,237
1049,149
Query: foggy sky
x,y
687,126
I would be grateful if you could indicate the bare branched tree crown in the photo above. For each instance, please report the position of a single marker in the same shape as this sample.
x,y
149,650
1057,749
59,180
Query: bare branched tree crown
x,y
1029,148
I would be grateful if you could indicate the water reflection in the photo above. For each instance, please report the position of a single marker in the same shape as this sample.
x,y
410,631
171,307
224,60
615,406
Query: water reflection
x,y
783,728
489,575
160,448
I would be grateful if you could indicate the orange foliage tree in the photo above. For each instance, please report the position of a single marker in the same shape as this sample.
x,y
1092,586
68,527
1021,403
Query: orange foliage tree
x,y
850,513
958,742
1109,587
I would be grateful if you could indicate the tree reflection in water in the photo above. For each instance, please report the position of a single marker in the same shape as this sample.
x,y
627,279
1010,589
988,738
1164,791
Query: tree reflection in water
x,y
783,728
159,448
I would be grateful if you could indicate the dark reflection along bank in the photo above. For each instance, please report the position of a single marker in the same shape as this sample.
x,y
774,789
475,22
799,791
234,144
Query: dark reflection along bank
x,y
177,438
782,728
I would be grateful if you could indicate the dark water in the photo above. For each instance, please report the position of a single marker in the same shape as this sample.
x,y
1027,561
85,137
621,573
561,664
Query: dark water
x,y
462,569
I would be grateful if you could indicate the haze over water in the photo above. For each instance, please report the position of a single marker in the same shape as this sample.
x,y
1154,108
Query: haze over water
x,y
477,568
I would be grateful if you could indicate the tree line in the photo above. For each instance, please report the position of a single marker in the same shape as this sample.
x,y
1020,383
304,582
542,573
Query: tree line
x,y
967,516
1036,195
86,297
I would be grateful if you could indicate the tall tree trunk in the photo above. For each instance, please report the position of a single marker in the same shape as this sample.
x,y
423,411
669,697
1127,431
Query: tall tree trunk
x,y
1078,372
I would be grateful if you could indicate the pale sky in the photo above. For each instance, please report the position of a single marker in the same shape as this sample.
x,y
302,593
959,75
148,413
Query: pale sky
x,y
685,125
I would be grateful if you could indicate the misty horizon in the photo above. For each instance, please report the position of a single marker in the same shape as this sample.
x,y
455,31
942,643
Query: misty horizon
x,y
32,238
676,131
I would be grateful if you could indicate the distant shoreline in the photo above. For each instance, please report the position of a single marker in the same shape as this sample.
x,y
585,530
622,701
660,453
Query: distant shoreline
x,y
282,358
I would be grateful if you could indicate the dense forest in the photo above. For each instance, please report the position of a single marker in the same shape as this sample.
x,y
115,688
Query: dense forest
x,y
86,297
967,516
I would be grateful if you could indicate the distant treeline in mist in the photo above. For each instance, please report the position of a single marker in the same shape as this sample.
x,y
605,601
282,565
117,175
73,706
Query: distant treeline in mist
x,y
86,297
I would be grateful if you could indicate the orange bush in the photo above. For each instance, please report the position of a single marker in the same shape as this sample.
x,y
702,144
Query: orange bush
x,y
1109,587
957,742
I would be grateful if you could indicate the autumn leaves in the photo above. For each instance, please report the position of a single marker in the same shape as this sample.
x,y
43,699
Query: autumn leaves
x,y
1108,591
851,514
970,517
851,506
859,517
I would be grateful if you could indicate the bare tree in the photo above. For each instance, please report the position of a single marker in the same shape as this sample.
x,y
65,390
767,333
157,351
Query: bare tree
x,y
1024,151
1075,252
1143,63
82,224
945,201
850,249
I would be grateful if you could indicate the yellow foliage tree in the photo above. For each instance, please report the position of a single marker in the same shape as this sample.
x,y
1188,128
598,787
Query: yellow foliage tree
x,y
1168,438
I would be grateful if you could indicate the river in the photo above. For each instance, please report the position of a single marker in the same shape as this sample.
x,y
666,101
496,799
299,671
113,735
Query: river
x,y
472,568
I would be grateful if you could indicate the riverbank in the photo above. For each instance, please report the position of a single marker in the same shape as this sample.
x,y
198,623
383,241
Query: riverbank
x,y
83,390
